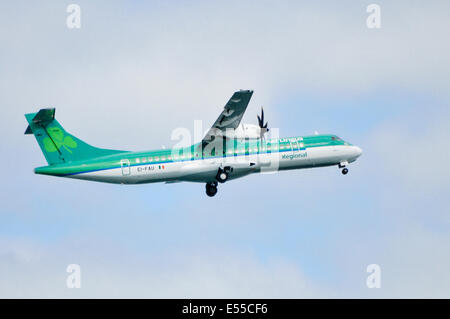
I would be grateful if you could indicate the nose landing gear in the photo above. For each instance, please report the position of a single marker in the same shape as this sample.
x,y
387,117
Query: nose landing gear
x,y
211,189
344,169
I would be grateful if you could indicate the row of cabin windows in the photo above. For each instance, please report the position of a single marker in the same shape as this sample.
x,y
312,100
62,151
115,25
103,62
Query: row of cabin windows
x,y
230,152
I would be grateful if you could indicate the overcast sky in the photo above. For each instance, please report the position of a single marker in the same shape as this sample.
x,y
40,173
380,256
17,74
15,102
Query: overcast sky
x,y
137,70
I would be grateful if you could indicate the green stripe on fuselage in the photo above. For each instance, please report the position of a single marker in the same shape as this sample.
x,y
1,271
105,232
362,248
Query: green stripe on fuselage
x,y
236,147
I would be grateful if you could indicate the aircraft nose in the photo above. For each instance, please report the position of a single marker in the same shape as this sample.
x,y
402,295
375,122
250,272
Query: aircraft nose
x,y
358,151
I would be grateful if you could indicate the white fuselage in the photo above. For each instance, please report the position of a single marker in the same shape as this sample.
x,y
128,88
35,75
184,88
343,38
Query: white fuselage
x,y
205,170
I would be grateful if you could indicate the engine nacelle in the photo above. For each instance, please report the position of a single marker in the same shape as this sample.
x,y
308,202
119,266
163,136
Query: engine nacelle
x,y
246,131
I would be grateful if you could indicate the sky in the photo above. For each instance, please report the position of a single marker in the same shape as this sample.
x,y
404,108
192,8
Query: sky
x,y
135,71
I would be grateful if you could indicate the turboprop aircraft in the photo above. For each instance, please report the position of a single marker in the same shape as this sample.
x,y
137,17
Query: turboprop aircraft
x,y
228,151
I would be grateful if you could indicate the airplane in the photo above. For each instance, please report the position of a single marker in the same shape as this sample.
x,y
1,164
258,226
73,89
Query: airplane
x,y
229,150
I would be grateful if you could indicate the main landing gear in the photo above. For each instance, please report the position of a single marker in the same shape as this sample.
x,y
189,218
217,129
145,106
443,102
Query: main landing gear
x,y
221,177
211,189
222,174
344,169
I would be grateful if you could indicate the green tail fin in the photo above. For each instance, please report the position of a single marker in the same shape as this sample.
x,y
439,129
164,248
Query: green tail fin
x,y
58,145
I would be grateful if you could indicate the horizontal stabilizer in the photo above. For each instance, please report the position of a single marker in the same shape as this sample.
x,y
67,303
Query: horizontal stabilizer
x,y
44,116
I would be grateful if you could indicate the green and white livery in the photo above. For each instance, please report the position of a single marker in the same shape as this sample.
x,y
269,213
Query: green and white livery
x,y
228,151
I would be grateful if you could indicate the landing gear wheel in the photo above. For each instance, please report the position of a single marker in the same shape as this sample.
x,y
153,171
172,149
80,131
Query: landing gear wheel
x,y
345,171
222,175
211,189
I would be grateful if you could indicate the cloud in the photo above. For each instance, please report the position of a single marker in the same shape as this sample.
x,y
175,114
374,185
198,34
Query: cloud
x,y
412,260
415,263
133,66
134,72
30,274
412,148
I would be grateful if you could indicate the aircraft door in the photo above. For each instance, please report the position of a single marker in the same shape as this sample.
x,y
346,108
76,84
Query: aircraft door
x,y
125,165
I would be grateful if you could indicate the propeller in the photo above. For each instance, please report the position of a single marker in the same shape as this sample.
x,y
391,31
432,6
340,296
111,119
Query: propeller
x,y
264,128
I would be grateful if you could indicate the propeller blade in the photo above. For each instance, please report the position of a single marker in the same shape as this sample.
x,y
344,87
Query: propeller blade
x,y
261,123
261,119
262,115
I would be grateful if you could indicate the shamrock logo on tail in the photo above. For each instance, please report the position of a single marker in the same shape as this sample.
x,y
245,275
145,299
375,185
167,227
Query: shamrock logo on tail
x,y
59,140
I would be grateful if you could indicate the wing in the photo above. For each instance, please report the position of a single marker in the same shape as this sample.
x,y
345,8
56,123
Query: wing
x,y
230,117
